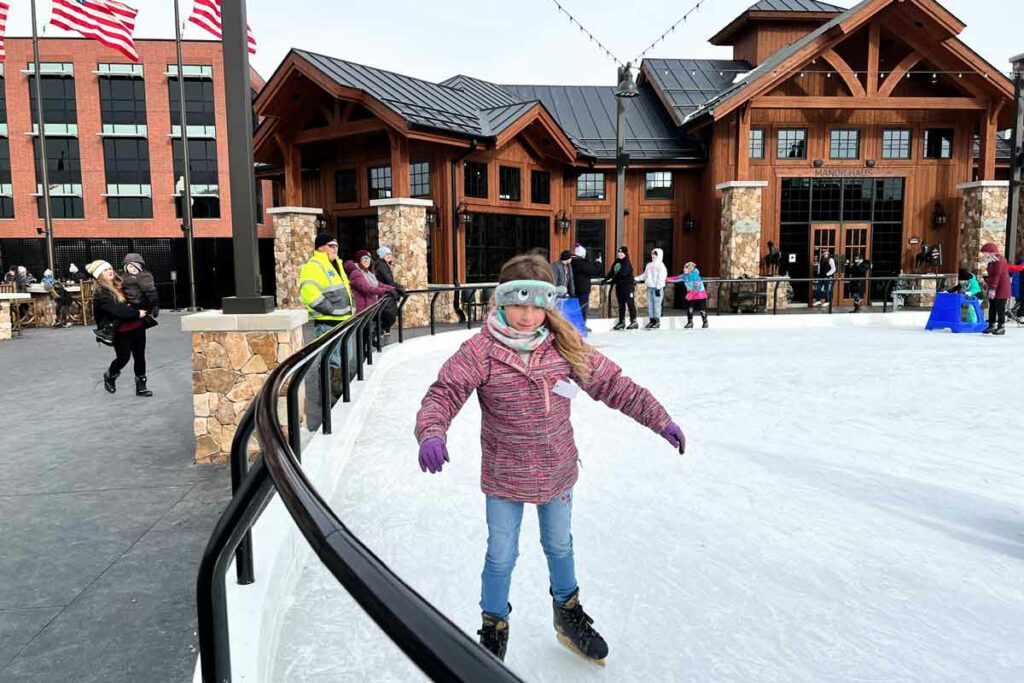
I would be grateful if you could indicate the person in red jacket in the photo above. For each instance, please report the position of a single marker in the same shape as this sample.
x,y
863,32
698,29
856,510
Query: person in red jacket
x,y
366,289
998,288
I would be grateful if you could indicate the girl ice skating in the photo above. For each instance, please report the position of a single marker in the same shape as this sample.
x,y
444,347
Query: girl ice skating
x,y
696,295
654,277
621,275
526,365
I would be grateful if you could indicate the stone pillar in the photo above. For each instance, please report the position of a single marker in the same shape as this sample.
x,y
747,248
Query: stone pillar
x,y
402,227
983,219
5,320
232,356
741,228
294,232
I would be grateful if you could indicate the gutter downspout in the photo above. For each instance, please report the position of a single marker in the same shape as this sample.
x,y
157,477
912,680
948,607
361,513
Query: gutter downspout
x,y
456,299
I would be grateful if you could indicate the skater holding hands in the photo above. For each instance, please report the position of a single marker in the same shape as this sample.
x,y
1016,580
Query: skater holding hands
x,y
526,365
696,294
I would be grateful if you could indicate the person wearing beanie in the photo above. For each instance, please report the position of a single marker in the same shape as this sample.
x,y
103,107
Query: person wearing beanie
x,y
621,275
385,275
139,287
562,270
967,285
118,324
998,288
583,271
367,289
324,289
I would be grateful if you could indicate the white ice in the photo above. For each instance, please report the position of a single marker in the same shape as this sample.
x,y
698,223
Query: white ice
x,y
850,508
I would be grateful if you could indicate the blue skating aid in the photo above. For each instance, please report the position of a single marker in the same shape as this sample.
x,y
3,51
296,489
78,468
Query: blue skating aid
x,y
952,311
570,309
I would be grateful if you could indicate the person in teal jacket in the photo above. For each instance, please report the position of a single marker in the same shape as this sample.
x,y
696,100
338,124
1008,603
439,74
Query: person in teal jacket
x,y
968,285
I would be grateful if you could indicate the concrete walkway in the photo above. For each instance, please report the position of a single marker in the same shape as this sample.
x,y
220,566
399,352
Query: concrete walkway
x,y
103,516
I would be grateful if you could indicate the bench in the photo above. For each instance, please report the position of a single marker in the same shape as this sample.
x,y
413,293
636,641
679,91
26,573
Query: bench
x,y
750,301
897,293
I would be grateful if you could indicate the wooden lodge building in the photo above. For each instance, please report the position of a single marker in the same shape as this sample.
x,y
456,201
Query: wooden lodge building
x,y
871,129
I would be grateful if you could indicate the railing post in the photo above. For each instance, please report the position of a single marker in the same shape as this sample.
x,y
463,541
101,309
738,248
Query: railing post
x,y
359,351
433,301
346,378
239,468
326,393
294,427
775,298
401,319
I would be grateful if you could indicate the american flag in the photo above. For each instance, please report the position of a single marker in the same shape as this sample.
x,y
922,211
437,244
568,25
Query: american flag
x,y
3,29
206,15
107,21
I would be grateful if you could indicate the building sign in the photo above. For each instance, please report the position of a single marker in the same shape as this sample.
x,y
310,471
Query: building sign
x,y
844,172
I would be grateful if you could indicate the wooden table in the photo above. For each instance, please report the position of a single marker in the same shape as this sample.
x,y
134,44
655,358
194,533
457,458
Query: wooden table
x,y
6,321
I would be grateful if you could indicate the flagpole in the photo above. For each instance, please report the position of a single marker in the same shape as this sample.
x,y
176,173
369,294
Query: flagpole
x,y
186,197
47,215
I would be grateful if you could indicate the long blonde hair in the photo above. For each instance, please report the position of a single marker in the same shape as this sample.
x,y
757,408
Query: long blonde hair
x,y
564,335
114,287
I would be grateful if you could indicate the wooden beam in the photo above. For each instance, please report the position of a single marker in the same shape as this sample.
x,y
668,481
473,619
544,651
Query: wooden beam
x,y
959,103
339,131
743,143
893,79
987,142
293,175
347,114
874,38
844,71
399,164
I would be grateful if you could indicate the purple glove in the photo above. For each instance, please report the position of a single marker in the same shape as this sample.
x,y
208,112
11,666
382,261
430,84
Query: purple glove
x,y
433,454
672,433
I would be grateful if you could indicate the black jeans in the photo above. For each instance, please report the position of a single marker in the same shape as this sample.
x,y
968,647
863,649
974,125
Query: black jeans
x,y
699,305
128,345
997,312
626,299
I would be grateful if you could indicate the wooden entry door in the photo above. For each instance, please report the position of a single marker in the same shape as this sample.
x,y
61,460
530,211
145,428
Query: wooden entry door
x,y
823,236
844,242
855,242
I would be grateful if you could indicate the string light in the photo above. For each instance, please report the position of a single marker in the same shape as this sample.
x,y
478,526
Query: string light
x,y
590,35
669,30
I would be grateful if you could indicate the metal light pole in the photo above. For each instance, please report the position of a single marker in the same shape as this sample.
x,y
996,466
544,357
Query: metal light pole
x,y
1016,161
45,173
238,100
186,194
626,88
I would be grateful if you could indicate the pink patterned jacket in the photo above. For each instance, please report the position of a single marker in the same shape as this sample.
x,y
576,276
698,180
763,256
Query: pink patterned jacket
x,y
526,438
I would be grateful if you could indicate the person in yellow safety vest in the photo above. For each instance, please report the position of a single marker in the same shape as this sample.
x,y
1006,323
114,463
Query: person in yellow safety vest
x,y
324,288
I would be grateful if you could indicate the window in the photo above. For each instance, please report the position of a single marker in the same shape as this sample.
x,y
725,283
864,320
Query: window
x,y
123,105
896,144
658,233
59,111
64,173
128,182
590,232
6,189
756,143
844,144
202,161
508,183
938,143
475,179
419,179
492,239
826,199
355,233
658,185
792,143
540,187
857,199
380,182
199,109
345,187
590,186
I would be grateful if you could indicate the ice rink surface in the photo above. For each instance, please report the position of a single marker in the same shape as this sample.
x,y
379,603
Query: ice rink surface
x,y
850,508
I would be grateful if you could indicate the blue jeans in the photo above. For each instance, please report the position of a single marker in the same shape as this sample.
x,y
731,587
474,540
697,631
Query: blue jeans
x,y
654,303
503,521
321,329
823,290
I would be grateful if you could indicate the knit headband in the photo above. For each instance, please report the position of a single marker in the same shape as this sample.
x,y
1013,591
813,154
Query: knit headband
x,y
528,293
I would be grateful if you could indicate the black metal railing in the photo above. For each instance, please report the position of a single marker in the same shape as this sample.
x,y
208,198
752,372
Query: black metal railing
x,y
436,645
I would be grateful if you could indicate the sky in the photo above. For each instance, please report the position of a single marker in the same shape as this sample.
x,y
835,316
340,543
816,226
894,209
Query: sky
x,y
525,41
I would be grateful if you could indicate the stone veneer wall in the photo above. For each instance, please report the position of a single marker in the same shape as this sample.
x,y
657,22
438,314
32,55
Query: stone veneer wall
x,y
741,228
5,320
294,233
984,220
228,370
401,226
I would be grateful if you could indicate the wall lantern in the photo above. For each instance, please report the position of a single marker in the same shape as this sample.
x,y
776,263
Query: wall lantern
x,y
463,211
940,217
431,216
689,223
870,163
562,221
818,163
321,223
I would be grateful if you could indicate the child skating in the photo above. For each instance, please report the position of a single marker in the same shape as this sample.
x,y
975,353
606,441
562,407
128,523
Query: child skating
x,y
696,294
655,275
526,365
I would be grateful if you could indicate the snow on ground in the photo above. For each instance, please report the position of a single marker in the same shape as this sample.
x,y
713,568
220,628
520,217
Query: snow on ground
x,y
849,508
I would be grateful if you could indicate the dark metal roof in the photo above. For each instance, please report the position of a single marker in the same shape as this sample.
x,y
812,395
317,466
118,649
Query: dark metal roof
x,y
793,6
687,84
497,119
778,58
486,93
1003,148
587,114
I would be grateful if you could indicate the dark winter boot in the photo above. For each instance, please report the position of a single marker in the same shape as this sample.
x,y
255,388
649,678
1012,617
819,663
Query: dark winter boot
x,y
650,324
704,317
689,323
574,629
999,331
140,387
656,324
110,381
619,326
989,330
633,326
494,635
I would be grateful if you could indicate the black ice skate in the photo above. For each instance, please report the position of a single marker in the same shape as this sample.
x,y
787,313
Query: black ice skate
x,y
650,324
689,324
494,635
704,317
633,326
619,326
573,630
989,330
999,330
656,325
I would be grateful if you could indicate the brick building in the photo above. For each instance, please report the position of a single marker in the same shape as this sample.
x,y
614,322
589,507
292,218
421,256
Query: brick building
x,y
114,160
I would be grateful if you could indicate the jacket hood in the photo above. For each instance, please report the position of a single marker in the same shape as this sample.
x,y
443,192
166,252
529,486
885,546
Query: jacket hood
x,y
350,267
134,258
658,255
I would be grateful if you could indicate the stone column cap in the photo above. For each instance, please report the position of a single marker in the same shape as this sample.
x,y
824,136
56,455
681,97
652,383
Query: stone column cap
x,y
741,183
401,201
984,183
308,210
280,320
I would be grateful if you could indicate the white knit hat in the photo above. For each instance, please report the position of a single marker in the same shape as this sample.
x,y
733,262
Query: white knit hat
x,y
581,251
97,268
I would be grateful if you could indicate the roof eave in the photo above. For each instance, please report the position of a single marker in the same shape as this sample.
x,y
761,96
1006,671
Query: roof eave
x,y
737,25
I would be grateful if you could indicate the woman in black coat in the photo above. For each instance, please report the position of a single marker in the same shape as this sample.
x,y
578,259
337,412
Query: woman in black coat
x,y
621,275
112,311
583,270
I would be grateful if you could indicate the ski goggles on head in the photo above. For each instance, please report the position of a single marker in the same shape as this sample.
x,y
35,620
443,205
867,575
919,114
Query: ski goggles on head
x,y
528,293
